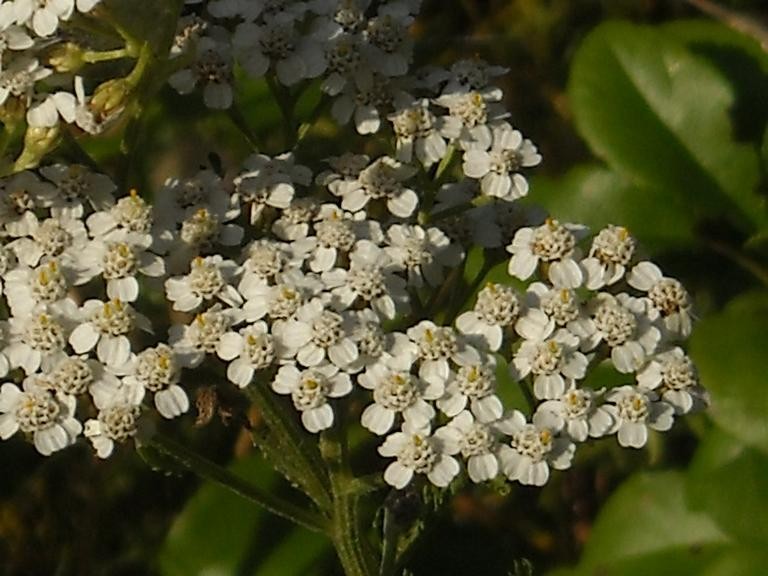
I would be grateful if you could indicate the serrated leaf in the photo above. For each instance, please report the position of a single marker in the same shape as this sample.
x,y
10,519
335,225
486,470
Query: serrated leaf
x,y
658,114
729,350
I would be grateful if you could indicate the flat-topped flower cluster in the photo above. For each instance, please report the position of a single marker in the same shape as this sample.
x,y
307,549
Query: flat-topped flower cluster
x,y
338,279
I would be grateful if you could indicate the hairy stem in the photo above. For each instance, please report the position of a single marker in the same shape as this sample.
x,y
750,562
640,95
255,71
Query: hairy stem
x,y
211,471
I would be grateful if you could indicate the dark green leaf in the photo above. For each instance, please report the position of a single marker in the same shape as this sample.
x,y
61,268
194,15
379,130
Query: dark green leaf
x,y
658,114
730,351
729,481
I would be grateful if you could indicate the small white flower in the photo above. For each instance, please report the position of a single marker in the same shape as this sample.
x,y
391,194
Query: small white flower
x,y
634,411
202,336
419,131
270,182
27,288
673,375
279,301
46,110
437,345
532,449
553,362
315,334
118,257
473,385
77,185
54,237
18,79
552,243
423,253
612,250
48,418
77,375
117,420
251,349
157,370
548,308
294,220
476,112
310,390
43,17
131,213
417,451
496,309
388,45
20,195
577,413
624,324
667,295
397,391
208,280
106,326
498,166
370,279
477,442
336,235
212,67
37,339
383,180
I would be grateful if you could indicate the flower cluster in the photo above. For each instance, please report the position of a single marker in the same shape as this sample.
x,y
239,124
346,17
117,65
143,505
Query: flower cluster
x,y
333,280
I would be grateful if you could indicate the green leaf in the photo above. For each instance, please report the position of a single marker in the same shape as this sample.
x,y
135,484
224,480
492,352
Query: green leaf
x,y
658,114
737,561
218,534
729,350
646,528
729,481
598,196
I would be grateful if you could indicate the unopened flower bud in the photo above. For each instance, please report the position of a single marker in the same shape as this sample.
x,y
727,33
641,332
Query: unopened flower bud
x,y
67,57
110,97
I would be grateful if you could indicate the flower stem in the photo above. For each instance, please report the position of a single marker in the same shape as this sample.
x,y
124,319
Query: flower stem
x,y
211,471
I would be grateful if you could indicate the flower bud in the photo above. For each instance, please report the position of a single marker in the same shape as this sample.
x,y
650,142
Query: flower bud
x,y
110,97
67,57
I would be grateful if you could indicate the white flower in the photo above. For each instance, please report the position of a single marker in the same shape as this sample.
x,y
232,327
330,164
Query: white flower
x,y
634,411
316,334
43,17
12,37
423,253
437,345
624,324
18,79
477,112
552,243
473,385
577,413
77,185
157,370
180,199
131,213
251,349
344,173
117,420
553,362
497,308
20,195
417,452
48,418
612,250
470,74
532,449
310,390
202,336
344,57
383,180
371,279
118,257
46,113
388,45
418,130
476,441
26,288
366,99
673,375
335,234
265,259
106,326
208,279
37,339
50,238
397,391
294,220
76,375
211,67
277,42
280,301
374,345
547,308
497,167
270,182
667,295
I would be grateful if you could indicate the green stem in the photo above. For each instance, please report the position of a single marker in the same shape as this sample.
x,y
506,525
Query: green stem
x,y
354,551
389,544
241,123
292,451
285,103
91,56
208,470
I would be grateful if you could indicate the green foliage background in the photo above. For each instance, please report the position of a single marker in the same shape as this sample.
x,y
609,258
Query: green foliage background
x,y
648,115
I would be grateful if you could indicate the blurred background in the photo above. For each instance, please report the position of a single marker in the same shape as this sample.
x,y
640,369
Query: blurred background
x,y
648,113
